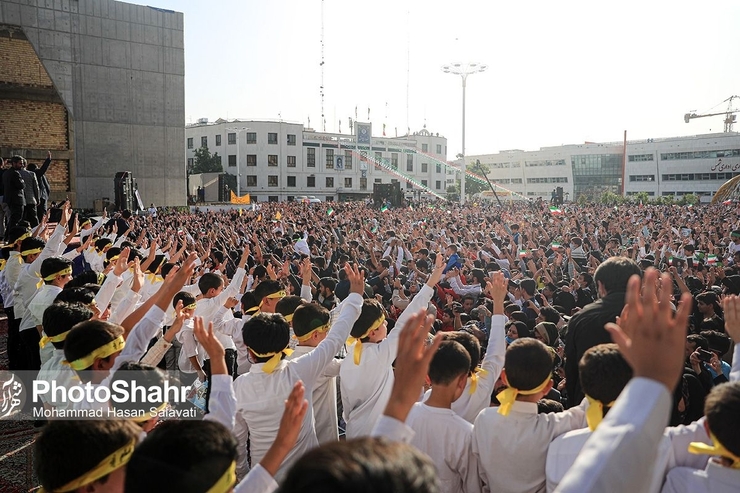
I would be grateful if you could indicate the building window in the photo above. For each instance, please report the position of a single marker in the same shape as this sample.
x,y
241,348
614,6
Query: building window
x,y
410,163
330,159
204,141
642,177
251,180
191,162
291,139
310,181
438,184
291,181
363,183
329,198
272,138
423,183
329,182
439,148
408,185
291,161
218,140
272,180
347,159
311,157
251,159
438,167
394,160
232,160
378,156
639,157
424,167
231,138
251,137
272,160
348,182
190,142
378,180
424,148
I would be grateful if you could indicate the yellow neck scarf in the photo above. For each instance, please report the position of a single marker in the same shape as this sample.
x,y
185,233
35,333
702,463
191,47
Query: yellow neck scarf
x,y
357,341
102,352
225,482
508,396
715,449
307,336
114,461
595,412
474,379
274,360
57,338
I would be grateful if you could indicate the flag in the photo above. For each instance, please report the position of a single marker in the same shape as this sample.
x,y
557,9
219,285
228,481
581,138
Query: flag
x,y
240,212
670,260
384,130
384,208
555,211
235,199
278,216
556,246
522,253
727,202
374,229
330,211
259,217
411,207
711,259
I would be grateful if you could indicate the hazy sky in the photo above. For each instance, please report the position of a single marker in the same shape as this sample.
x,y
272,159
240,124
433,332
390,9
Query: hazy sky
x,y
559,72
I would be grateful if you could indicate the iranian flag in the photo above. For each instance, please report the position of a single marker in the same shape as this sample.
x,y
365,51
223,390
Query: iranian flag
x,y
330,211
384,208
727,202
555,211
522,253
711,259
556,246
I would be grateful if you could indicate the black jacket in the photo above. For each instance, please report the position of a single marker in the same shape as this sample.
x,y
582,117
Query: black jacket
x,y
13,188
44,188
586,330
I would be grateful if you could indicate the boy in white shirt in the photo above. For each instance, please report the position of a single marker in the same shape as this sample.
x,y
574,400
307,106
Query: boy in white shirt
x,y
439,432
366,375
510,442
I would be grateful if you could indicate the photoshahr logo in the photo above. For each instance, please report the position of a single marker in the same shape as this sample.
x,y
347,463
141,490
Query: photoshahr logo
x,y
12,394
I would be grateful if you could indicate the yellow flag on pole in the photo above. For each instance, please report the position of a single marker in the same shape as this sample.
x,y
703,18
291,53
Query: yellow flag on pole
x,y
235,199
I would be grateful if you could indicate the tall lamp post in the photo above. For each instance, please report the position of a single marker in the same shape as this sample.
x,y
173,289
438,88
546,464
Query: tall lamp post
x,y
238,131
463,70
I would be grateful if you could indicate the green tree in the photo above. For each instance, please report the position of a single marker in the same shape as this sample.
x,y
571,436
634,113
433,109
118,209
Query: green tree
x,y
453,193
473,186
582,199
641,197
689,199
204,162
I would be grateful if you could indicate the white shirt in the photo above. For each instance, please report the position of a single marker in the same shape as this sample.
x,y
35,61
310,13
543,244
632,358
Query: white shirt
x,y
445,437
324,398
257,481
38,304
210,308
512,450
714,478
64,376
392,429
10,273
261,396
366,387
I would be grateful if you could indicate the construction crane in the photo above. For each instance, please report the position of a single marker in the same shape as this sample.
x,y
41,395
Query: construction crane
x,y
730,117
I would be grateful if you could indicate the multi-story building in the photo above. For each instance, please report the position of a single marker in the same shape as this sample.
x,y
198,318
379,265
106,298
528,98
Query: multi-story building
x,y
676,166
278,161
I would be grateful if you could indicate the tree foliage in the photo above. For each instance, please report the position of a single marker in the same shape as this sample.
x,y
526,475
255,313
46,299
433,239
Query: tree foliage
x,y
204,162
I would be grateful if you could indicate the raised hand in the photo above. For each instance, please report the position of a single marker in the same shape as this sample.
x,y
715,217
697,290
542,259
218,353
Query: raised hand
x,y
731,307
498,290
356,278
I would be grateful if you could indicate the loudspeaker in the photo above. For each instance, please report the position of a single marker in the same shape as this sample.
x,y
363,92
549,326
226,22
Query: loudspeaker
x,y
559,192
124,190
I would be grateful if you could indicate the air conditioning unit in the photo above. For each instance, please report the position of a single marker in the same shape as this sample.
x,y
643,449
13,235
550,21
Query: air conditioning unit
x,y
202,120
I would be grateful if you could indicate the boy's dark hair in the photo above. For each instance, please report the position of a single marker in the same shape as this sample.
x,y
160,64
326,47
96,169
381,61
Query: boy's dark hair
x,y
53,265
614,272
112,252
141,375
266,288
699,340
209,281
54,464
87,277
307,317
551,314
371,311
722,408
288,305
248,301
61,317
470,343
603,373
166,268
449,362
102,243
718,341
32,243
158,262
362,465
546,406
266,333
186,298
329,283
75,295
16,232
183,456
528,362
511,308
85,338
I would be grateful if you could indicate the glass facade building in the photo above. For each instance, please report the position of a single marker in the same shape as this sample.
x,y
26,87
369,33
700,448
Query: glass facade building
x,y
594,174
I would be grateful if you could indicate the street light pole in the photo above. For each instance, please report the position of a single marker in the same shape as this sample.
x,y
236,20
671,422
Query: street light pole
x,y
463,70
238,156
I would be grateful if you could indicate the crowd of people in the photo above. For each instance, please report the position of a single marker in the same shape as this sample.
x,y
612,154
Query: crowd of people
x,y
348,347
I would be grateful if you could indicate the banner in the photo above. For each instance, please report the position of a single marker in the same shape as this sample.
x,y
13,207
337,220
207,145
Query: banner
x,y
364,132
235,199
339,162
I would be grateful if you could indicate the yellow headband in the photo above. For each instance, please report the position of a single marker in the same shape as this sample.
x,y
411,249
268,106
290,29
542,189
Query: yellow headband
x,y
254,309
22,237
288,318
278,294
85,223
102,352
114,461
113,258
715,449
225,482
149,415
357,341
63,272
474,379
57,338
307,336
595,412
2,264
508,396
191,306
31,251
272,363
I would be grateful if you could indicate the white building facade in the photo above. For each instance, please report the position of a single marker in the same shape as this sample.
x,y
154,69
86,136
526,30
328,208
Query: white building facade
x,y
279,161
